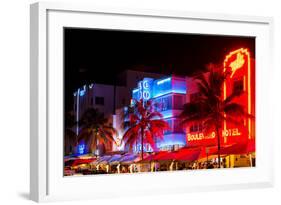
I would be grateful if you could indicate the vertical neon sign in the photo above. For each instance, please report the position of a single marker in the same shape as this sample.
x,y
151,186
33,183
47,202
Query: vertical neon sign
x,y
144,89
235,61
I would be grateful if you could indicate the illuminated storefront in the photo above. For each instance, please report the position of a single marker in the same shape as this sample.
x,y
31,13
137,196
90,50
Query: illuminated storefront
x,y
241,78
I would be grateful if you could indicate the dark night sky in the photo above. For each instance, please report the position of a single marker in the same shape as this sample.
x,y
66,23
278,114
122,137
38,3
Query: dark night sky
x,y
92,55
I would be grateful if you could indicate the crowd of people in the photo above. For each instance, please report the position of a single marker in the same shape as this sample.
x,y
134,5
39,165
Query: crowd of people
x,y
87,169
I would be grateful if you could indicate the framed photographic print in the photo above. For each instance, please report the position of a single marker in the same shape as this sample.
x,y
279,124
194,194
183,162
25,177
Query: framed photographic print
x,y
127,102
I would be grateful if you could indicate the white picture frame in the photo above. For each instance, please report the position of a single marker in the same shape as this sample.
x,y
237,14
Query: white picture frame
x,y
46,176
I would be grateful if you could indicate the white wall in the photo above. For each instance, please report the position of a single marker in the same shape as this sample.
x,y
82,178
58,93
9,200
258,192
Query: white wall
x,y
14,103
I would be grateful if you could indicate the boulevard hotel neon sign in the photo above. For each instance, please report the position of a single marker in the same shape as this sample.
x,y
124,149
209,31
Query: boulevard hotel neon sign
x,y
238,64
225,133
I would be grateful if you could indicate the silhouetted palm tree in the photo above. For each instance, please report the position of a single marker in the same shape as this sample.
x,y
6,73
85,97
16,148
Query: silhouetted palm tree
x,y
146,123
70,137
210,108
95,128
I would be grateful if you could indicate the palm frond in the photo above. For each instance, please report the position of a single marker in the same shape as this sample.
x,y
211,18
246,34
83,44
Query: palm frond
x,y
234,109
234,121
149,138
154,115
234,95
132,132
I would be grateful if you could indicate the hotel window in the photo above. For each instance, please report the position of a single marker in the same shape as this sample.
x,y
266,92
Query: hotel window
x,y
163,104
99,100
167,101
170,123
238,86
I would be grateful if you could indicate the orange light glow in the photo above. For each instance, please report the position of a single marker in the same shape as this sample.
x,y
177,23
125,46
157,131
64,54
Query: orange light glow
x,y
238,63
234,65
249,93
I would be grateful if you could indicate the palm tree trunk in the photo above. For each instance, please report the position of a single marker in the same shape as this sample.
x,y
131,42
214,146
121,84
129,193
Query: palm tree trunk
x,y
142,133
219,146
96,150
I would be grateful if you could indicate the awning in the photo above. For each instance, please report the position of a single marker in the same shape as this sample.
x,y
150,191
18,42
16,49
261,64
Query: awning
x,y
237,148
155,156
115,159
102,160
188,154
76,162
208,151
131,158
184,154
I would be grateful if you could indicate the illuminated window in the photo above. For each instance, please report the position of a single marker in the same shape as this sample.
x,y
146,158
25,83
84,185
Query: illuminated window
x,y
164,103
170,125
99,100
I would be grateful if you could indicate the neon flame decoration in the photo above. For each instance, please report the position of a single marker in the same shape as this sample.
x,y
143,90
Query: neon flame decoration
x,y
237,64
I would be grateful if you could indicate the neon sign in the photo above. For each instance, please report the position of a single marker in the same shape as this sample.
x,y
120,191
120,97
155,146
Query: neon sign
x,y
178,91
135,90
144,89
91,85
163,81
237,63
81,148
231,132
146,148
239,59
225,133
82,92
200,136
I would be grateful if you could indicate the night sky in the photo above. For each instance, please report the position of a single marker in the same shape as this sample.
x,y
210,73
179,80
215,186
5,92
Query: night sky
x,y
92,55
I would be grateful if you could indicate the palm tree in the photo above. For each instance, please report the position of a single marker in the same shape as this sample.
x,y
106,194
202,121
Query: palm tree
x,y
70,137
145,122
95,128
210,108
